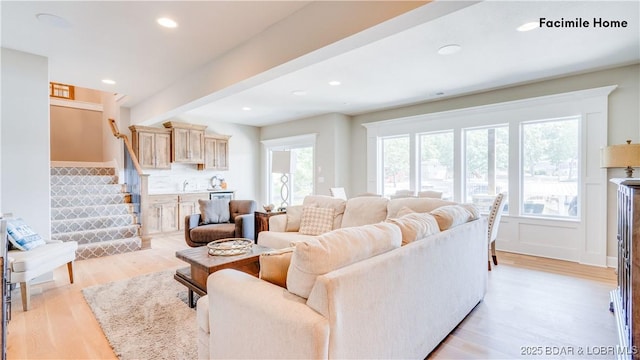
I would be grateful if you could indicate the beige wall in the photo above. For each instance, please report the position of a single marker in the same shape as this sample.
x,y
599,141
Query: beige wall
x,y
76,134
624,120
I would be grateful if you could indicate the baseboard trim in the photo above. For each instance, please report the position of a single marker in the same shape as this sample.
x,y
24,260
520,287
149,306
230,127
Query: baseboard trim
x,y
612,262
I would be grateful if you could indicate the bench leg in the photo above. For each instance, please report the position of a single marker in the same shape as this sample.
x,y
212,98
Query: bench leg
x,y
70,269
26,295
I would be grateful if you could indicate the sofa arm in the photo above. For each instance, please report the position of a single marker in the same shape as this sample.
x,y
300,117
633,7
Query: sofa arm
x,y
190,222
245,225
273,322
278,223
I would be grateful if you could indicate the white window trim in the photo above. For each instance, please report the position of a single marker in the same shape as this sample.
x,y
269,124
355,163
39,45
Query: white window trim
x,y
284,143
591,105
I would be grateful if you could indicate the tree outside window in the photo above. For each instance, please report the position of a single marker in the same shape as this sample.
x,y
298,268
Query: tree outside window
x,y
436,163
550,167
396,164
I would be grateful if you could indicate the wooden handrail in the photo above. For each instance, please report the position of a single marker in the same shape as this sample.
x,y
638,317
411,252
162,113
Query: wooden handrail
x,y
127,143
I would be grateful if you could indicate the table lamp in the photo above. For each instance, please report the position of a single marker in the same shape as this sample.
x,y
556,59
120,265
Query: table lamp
x,y
281,164
621,156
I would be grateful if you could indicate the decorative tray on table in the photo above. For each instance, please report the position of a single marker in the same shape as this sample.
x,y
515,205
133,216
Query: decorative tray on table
x,y
229,247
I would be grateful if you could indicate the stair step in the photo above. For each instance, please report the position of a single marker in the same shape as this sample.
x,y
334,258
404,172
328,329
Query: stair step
x,y
88,200
90,211
73,190
83,171
110,247
57,180
82,224
99,235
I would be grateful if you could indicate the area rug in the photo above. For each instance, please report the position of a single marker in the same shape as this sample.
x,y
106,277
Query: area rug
x,y
145,317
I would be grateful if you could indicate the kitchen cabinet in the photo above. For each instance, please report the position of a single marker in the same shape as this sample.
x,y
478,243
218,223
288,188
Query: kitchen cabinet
x,y
187,142
152,146
216,153
167,211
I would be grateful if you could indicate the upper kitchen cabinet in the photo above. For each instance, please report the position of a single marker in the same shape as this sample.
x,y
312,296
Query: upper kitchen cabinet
x,y
152,146
187,142
216,152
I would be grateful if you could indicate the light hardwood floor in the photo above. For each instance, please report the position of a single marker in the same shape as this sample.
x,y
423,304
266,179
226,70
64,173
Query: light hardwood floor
x,y
531,302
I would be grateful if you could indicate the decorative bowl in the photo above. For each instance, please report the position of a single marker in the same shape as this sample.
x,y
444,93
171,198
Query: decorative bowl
x,y
230,247
268,208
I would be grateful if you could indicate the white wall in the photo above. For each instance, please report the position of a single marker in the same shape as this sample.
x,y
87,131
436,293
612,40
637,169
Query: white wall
x,y
332,159
24,142
112,147
624,120
243,175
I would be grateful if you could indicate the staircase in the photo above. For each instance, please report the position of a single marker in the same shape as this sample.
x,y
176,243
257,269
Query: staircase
x,y
90,207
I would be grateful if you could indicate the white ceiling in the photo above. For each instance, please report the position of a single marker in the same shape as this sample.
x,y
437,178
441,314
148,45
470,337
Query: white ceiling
x,y
400,69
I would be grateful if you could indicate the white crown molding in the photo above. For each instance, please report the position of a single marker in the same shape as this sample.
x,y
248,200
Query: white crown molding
x,y
75,104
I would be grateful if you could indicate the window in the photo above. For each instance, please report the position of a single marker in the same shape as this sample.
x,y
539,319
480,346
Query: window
x,y
299,182
550,167
61,91
396,164
436,163
486,164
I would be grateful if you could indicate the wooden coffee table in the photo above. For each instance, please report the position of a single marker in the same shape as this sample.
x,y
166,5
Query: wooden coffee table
x,y
194,277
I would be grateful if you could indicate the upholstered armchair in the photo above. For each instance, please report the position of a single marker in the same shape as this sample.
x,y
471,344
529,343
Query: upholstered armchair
x,y
240,225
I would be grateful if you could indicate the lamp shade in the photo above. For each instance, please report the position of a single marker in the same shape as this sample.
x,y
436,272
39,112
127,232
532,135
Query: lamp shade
x,y
620,156
281,162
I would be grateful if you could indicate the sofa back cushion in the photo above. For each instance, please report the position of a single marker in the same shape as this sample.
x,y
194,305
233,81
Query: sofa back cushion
x,y
421,205
323,201
451,215
364,210
415,226
241,207
337,249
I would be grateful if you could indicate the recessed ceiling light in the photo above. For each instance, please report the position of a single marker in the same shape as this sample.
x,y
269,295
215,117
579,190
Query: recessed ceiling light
x,y
334,83
168,23
299,93
449,49
108,81
53,20
246,108
528,26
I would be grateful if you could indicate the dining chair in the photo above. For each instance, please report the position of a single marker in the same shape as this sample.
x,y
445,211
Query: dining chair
x,y
495,214
338,192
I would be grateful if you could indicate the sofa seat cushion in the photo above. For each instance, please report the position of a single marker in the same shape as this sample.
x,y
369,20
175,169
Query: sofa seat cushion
x,y
364,210
52,252
207,233
323,201
337,249
279,240
421,205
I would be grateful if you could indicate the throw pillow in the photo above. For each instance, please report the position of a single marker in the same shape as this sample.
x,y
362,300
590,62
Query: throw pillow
x,y
415,226
421,205
449,216
316,221
22,235
336,249
214,211
323,201
274,266
294,215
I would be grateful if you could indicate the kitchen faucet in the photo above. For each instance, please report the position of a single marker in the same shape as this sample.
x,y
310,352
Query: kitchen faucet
x,y
184,185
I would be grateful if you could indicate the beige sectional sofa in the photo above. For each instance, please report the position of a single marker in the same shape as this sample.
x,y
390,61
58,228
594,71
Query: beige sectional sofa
x,y
355,291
